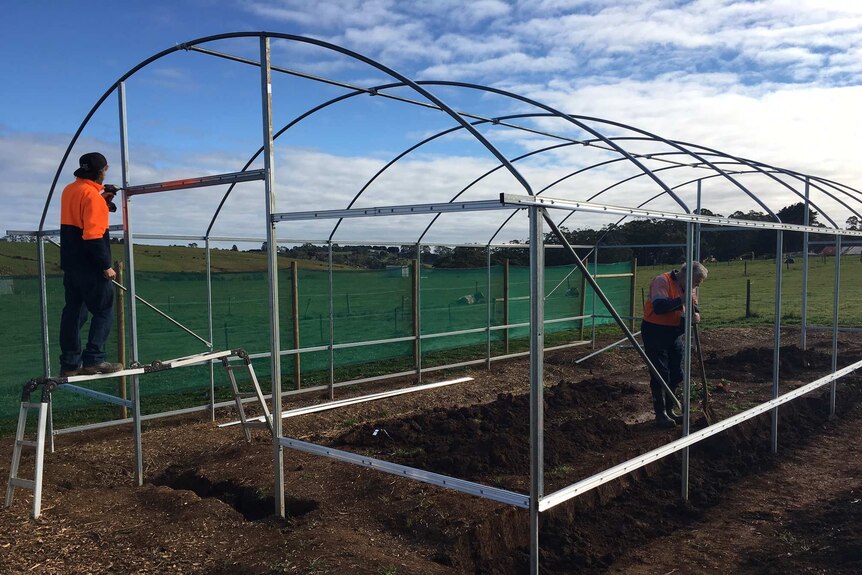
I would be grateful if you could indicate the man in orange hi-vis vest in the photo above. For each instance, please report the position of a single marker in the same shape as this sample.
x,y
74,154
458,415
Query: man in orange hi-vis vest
x,y
662,329
85,257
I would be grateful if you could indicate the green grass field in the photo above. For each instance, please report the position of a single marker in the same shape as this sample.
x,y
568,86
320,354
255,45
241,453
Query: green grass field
x,y
723,295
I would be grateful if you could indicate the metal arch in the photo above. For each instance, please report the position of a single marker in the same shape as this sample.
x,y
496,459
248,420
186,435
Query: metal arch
x,y
391,162
488,173
678,166
610,141
821,211
756,165
677,145
604,163
556,113
292,37
276,135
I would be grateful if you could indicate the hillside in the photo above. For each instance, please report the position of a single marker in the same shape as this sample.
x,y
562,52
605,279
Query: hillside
x,y
20,259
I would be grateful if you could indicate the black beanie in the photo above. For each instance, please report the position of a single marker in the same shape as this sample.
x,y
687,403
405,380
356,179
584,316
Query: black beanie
x,y
91,164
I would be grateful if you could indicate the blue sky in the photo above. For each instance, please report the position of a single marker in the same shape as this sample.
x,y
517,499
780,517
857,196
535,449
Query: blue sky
x,y
777,81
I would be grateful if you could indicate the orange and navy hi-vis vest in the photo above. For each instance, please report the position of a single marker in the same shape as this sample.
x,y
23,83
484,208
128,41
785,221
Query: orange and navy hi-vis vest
x,y
664,286
84,241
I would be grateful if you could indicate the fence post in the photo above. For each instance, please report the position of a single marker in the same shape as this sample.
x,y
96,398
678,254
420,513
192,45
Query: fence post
x,y
121,335
634,292
294,272
583,302
747,298
506,306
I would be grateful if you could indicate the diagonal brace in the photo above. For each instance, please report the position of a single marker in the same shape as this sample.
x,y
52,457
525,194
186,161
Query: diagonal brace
x,y
595,285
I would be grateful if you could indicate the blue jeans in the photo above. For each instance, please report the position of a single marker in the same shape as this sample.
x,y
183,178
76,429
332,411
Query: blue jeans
x,y
85,291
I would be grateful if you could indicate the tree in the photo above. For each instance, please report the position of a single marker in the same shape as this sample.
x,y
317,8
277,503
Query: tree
x,y
234,248
795,214
854,223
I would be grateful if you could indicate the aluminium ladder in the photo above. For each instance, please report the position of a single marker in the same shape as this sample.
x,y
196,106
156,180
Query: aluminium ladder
x,y
15,480
44,430
239,396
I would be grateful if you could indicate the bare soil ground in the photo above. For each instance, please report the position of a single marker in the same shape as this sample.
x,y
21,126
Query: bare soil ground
x,y
206,503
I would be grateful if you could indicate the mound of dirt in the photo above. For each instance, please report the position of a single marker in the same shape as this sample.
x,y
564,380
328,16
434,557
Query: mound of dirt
x,y
494,438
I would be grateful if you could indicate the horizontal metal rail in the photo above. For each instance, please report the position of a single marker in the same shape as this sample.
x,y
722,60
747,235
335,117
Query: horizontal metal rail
x,y
353,400
515,200
184,184
607,347
594,481
401,210
492,493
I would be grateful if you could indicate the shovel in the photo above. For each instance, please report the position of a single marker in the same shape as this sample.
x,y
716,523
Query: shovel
x,y
708,414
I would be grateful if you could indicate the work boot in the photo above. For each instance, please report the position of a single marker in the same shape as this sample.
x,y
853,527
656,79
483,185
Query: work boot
x,y
102,367
69,372
663,421
661,418
677,419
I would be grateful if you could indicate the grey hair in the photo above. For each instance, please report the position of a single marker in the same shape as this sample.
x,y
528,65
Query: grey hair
x,y
698,270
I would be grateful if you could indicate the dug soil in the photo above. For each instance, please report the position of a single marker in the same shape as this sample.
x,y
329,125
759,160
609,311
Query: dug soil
x,y
207,499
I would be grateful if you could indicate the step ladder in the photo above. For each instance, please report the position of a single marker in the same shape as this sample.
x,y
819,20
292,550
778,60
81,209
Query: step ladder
x,y
239,396
35,484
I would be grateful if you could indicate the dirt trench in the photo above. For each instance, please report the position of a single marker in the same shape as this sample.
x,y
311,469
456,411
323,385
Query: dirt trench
x,y
584,433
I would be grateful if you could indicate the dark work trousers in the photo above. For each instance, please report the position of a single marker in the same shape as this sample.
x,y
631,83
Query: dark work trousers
x,y
85,291
664,347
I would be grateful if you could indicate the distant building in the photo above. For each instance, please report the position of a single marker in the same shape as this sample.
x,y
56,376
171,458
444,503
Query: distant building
x,y
6,285
398,271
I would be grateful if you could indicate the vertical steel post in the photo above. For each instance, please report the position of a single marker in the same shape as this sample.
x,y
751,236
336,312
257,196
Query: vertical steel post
x,y
595,272
131,300
803,343
537,342
46,359
121,335
297,366
634,291
776,352
331,329
417,320
835,299
506,306
686,356
697,225
584,273
488,301
272,267
43,305
210,336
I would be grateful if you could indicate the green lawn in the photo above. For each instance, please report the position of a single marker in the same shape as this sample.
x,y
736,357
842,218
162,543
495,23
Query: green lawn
x,y
723,295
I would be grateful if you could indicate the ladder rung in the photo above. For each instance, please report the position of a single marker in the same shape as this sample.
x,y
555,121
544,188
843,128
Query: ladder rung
x,y
30,405
26,443
236,367
25,483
